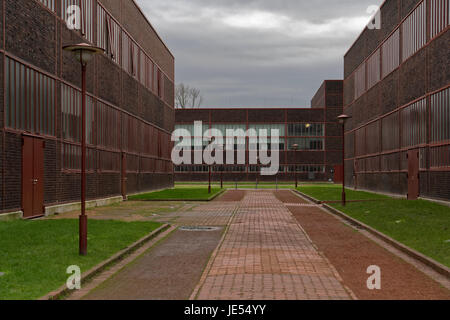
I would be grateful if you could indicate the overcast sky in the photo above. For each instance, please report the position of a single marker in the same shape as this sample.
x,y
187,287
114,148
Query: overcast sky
x,y
258,53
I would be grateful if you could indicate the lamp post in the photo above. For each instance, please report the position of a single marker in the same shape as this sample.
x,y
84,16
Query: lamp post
x,y
209,138
342,120
84,53
295,148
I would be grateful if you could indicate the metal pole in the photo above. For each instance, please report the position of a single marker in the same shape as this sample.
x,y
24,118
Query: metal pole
x,y
83,217
221,178
343,165
209,184
296,180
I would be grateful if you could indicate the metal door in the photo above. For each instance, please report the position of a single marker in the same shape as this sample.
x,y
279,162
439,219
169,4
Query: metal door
x,y
338,174
32,177
413,174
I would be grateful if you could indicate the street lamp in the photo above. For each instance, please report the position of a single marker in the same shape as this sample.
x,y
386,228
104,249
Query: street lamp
x,y
209,138
295,148
342,120
84,53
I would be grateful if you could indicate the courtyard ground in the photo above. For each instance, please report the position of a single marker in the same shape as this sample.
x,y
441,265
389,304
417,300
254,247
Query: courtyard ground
x,y
268,245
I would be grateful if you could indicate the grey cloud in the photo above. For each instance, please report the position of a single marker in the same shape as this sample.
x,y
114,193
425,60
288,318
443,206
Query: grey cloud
x,y
280,61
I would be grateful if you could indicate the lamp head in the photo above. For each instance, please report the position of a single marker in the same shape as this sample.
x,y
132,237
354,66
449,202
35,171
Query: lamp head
x,y
343,118
83,52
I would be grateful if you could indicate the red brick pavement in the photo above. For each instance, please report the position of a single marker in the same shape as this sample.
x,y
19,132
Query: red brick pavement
x,y
266,255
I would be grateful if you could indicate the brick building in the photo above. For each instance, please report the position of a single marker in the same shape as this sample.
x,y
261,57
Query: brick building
x,y
315,130
396,89
130,104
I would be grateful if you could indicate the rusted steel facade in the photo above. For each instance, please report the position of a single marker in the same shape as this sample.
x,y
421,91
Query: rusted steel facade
x,y
130,104
396,88
314,129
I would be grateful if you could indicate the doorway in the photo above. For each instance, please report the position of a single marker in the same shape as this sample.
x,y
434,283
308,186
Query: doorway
x,y
32,177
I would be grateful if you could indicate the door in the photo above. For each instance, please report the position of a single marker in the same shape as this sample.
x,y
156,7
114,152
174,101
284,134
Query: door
x,y
338,174
124,176
32,177
413,174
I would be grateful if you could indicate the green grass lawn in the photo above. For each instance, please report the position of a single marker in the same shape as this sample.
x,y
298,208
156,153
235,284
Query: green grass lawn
x,y
420,224
179,193
333,192
34,255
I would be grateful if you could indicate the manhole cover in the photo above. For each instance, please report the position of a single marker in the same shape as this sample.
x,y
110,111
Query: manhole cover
x,y
2,274
187,228
447,241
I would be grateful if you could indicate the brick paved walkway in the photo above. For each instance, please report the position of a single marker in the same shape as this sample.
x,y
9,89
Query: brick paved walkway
x,y
266,255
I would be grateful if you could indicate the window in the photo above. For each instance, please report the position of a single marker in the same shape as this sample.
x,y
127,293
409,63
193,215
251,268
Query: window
x,y
269,127
108,34
373,69
360,81
108,127
160,89
71,157
414,124
373,138
440,116
143,61
126,58
306,130
391,132
414,31
307,144
391,53
440,157
87,16
109,161
71,115
49,4
360,141
30,99
439,16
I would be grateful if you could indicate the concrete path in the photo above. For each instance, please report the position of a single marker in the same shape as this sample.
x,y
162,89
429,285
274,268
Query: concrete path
x,y
266,255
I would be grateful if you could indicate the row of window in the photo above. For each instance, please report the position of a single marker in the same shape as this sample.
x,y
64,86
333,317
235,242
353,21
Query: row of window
x,y
410,123
294,129
116,42
303,144
251,168
110,128
123,50
30,105
110,161
439,159
413,37
30,99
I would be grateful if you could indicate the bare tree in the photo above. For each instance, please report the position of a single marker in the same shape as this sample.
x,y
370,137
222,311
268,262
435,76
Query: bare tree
x,y
187,97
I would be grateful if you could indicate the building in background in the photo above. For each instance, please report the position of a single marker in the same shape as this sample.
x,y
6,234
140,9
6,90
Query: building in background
x,y
130,104
396,89
315,130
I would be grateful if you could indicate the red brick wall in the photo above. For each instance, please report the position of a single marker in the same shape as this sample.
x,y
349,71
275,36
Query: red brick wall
x,y
36,36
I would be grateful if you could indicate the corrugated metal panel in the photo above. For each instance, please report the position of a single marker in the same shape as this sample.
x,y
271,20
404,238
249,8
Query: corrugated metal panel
x,y
391,132
440,116
414,124
439,16
414,31
373,69
391,53
360,81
